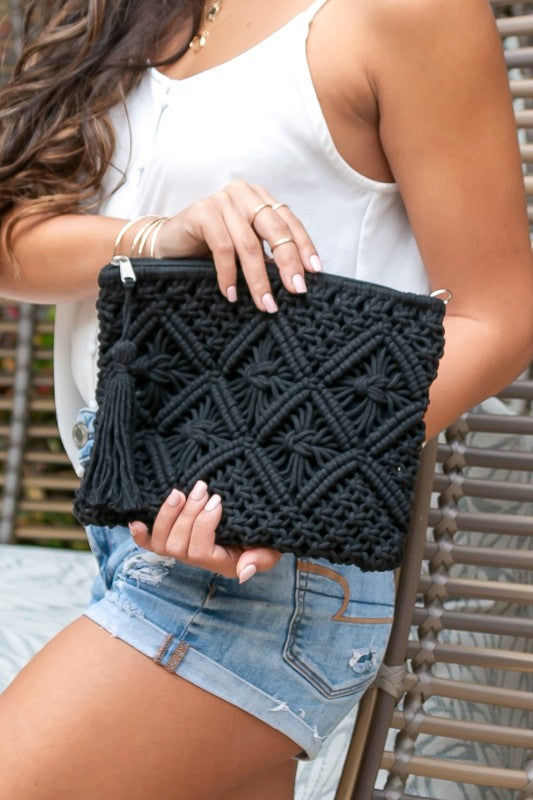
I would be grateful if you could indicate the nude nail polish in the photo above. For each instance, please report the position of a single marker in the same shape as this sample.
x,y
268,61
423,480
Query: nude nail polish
x,y
269,303
137,528
173,499
315,263
247,573
231,294
299,283
212,503
198,490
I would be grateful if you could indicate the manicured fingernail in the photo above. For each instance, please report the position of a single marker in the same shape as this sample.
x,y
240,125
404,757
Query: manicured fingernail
x,y
315,263
299,283
269,303
231,294
212,503
137,528
173,499
247,573
198,490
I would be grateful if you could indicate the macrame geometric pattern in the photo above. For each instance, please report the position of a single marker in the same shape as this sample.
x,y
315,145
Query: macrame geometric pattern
x,y
307,422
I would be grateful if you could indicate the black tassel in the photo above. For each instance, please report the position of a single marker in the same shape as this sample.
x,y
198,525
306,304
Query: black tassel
x,y
109,479
110,474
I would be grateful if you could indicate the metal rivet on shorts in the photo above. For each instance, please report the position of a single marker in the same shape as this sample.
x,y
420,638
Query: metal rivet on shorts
x,y
80,434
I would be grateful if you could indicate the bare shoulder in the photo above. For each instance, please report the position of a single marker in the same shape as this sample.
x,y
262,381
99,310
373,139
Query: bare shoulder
x,y
430,14
420,48
413,28
404,42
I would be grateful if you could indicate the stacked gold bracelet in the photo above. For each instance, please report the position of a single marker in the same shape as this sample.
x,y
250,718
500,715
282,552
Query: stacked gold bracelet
x,y
147,234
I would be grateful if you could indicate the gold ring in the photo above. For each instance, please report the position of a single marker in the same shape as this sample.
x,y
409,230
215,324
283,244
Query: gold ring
x,y
279,205
278,242
257,210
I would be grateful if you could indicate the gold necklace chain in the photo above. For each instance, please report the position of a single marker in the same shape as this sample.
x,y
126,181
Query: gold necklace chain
x,y
209,17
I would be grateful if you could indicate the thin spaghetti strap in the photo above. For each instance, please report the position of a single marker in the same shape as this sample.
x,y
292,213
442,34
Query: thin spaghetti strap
x,y
313,9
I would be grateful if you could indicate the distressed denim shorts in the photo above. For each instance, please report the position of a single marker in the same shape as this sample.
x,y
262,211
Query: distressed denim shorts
x,y
295,646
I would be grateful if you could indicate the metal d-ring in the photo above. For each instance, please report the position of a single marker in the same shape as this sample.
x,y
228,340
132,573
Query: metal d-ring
x,y
446,292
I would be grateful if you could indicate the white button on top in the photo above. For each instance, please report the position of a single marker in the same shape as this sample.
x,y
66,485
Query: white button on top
x,y
93,405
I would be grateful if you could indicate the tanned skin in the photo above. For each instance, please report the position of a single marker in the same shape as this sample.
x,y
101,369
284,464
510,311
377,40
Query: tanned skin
x,y
413,91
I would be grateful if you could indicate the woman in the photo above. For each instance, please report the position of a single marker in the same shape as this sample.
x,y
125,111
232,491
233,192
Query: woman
x,y
376,135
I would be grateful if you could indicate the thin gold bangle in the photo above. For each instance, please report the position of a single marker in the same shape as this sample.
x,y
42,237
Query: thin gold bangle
x,y
149,229
140,233
123,231
155,234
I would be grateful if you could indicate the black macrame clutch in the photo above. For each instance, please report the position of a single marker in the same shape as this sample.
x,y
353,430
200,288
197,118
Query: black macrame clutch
x,y
307,422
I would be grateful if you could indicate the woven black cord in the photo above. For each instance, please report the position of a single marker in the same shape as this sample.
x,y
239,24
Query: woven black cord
x,y
110,480
308,422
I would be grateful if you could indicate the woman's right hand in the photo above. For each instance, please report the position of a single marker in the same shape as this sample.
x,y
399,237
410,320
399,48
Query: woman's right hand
x,y
230,225
227,224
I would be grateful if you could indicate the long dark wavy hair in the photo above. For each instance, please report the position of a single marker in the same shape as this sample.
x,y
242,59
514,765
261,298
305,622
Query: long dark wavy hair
x,y
79,58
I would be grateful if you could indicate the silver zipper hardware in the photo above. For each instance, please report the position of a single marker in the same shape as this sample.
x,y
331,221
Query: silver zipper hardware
x,y
126,269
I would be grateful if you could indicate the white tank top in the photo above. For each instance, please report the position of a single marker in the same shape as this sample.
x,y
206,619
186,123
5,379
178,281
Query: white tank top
x,y
257,118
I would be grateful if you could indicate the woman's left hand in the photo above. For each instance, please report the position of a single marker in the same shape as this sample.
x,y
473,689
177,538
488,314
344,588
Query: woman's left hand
x,y
184,528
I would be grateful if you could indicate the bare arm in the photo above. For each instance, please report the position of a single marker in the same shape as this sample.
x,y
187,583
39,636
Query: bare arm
x,y
448,131
59,258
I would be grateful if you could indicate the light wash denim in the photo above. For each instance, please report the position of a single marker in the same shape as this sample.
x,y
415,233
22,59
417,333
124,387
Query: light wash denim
x,y
295,646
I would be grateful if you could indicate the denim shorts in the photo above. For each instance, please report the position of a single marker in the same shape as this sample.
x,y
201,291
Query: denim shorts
x,y
295,646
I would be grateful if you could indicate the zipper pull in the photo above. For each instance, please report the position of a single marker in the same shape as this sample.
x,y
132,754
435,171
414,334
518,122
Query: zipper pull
x,y
126,269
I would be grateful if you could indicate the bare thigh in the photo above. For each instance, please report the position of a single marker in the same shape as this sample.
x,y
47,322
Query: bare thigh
x,y
90,717
276,783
